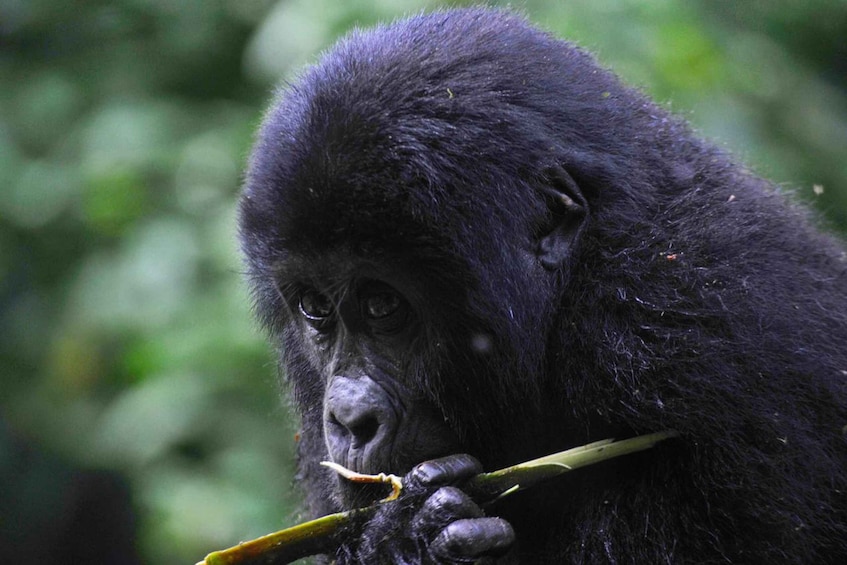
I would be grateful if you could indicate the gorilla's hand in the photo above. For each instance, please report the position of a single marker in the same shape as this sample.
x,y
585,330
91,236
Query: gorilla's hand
x,y
433,521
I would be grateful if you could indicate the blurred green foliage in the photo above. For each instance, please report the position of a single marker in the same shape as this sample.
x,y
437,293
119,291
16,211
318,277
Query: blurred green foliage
x,y
126,341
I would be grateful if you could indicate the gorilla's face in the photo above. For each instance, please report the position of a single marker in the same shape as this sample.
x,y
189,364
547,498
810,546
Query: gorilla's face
x,y
405,339
361,333
404,327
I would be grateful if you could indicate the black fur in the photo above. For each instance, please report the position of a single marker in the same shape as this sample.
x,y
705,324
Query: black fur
x,y
692,297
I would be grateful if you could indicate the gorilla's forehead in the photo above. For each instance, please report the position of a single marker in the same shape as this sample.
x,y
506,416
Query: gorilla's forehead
x,y
348,248
349,180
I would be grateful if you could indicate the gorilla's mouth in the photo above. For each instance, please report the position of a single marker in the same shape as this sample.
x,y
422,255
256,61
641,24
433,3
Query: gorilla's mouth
x,y
359,495
356,494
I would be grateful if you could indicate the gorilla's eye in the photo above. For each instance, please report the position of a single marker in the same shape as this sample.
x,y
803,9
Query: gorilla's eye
x,y
315,306
382,305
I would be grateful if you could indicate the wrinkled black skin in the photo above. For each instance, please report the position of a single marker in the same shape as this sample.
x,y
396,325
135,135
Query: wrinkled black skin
x,y
574,264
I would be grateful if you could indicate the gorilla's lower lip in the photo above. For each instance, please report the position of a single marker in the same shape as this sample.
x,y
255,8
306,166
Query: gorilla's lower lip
x,y
357,495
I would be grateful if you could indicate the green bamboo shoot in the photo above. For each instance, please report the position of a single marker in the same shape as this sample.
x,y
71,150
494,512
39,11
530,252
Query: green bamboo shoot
x,y
325,534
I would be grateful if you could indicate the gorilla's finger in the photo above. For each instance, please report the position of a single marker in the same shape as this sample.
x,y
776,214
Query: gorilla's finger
x,y
475,537
444,506
446,470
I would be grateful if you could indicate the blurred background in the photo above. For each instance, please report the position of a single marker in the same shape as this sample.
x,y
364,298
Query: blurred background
x,y
140,415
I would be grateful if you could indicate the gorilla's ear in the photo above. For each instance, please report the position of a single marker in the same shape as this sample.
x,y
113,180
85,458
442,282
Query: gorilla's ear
x,y
568,214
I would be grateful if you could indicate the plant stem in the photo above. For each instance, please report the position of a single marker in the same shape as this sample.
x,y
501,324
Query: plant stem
x,y
325,534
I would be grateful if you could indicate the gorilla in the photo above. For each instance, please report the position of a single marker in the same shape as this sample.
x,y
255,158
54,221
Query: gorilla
x,y
473,246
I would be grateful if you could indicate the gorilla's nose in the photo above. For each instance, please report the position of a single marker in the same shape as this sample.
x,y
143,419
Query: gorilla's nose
x,y
360,422
357,412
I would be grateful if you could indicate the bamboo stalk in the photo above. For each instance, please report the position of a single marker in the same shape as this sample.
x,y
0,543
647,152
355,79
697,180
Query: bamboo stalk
x,y
325,534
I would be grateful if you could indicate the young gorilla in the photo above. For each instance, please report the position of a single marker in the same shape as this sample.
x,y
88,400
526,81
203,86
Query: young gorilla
x,y
467,238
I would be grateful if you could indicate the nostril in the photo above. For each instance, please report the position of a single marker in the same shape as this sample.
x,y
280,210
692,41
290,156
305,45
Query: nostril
x,y
361,429
364,430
